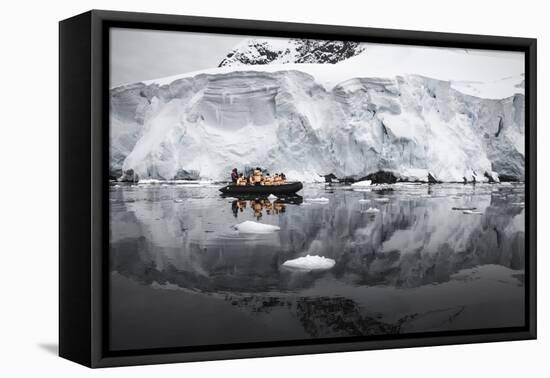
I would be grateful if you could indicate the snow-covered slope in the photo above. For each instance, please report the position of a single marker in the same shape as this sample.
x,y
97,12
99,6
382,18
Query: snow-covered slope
x,y
281,50
477,74
291,121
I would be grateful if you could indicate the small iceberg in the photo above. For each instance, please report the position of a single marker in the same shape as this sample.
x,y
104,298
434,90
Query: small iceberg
x,y
472,212
148,181
318,200
250,227
272,197
382,199
361,184
372,210
310,263
178,200
364,200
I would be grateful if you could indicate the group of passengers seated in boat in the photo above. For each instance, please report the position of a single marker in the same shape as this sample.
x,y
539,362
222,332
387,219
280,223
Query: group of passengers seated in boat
x,y
257,178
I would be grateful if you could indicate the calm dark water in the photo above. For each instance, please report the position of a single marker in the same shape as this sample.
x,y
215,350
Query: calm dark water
x,y
181,275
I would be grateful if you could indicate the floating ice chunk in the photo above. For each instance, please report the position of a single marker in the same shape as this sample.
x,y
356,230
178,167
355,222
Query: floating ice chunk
x,y
318,200
250,227
361,184
493,176
472,212
372,210
518,203
383,187
178,200
116,186
364,200
382,199
148,181
272,197
310,263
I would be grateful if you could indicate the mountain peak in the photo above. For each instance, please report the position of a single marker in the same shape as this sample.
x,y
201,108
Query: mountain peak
x,y
280,51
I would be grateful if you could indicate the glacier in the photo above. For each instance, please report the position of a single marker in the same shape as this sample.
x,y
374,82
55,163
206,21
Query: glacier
x,y
284,119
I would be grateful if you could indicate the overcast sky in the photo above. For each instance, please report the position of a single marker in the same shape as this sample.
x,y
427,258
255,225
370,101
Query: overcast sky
x,y
139,55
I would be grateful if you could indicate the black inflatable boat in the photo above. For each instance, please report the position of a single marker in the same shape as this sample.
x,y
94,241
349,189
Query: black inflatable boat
x,y
285,189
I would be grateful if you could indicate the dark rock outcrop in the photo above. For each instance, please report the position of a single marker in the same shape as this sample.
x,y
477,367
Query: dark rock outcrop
x,y
381,177
129,176
432,179
508,178
258,51
183,174
330,178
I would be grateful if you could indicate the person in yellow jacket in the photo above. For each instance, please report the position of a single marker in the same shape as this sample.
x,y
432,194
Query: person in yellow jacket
x,y
241,181
268,180
257,177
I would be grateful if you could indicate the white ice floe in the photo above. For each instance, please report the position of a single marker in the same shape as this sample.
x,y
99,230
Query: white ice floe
x,y
318,200
250,227
272,197
361,184
383,187
178,200
372,210
518,203
149,181
364,200
310,263
472,212
382,199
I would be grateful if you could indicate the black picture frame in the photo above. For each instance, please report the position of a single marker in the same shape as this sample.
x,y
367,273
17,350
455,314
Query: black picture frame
x,y
83,195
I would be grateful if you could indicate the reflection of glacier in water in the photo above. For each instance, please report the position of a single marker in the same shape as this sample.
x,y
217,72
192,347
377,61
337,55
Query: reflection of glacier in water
x,y
185,276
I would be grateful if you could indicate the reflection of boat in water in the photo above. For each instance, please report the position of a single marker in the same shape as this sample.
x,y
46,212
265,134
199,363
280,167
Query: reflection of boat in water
x,y
260,203
284,189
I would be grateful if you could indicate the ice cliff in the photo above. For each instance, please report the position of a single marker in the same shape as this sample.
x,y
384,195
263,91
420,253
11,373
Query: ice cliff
x,y
287,121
